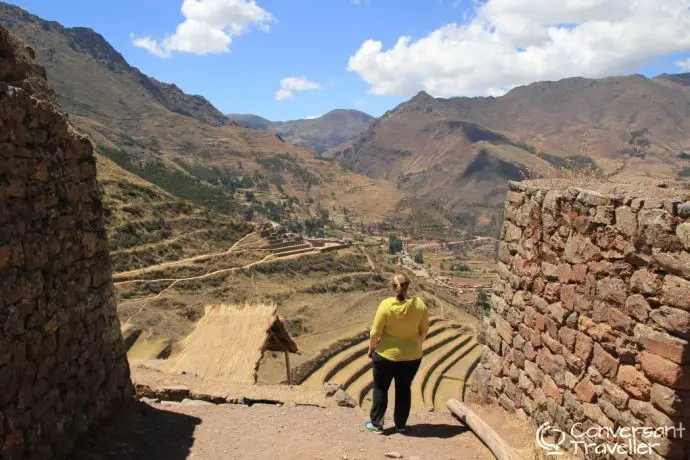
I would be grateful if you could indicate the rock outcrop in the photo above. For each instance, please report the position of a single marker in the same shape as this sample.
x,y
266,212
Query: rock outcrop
x,y
62,361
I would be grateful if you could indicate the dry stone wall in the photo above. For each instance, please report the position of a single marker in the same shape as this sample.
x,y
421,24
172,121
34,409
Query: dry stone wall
x,y
590,316
62,361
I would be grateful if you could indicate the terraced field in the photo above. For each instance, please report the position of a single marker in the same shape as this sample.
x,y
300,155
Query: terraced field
x,y
451,353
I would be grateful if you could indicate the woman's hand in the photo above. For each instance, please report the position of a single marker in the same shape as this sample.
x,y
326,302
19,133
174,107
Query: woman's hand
x,y
370,354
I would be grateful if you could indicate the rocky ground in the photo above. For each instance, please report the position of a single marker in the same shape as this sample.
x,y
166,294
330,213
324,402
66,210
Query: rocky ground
x,y
196,430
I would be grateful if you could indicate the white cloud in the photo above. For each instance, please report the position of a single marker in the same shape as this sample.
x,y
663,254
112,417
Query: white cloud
x,y
506,43
312,117
150,45
209,27
684,65
289,85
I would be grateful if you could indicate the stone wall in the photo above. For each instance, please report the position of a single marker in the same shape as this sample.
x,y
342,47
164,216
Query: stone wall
x,y
62,360
590,316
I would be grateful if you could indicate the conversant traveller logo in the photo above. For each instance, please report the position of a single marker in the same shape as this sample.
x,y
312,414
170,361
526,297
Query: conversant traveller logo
x,y
543,433
625,441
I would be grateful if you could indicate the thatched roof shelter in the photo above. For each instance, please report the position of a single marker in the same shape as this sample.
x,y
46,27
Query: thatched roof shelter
x,y
229,341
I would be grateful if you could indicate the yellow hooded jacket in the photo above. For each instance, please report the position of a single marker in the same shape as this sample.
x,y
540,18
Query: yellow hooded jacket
x,y
400,324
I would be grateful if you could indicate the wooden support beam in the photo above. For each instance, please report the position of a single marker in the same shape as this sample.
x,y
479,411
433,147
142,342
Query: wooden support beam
x,y
287,367
484,432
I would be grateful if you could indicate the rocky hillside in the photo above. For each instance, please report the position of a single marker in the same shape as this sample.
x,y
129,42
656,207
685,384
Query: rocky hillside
x,y
183,145
320,134
456,155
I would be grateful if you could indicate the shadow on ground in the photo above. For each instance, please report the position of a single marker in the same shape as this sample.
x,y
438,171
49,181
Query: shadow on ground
x,y
425,430
140,431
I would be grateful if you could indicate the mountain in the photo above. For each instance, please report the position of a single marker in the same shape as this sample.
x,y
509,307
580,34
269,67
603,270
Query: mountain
x,y
455,155
251,121
320,134
178,175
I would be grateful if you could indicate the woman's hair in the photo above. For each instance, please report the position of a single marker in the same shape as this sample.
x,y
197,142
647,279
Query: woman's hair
x,y
400,284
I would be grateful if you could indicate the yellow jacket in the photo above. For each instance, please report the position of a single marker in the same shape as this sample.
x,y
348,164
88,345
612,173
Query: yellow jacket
x,y
400,325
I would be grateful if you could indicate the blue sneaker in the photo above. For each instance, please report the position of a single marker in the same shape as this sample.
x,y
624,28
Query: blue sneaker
x,y
373,428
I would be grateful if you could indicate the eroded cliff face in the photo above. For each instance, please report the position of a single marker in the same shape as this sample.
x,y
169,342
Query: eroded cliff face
x,y
62,361
590,319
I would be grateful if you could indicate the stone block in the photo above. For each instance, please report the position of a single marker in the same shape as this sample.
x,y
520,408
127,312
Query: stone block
x,y
683,234
586,391
615,394
637,307
609,410
654,226
613,290
604,362
551,390
675,291
626,221
648,414
645,282
557,312
673,320
665,372
675,263
534,373
662,344
634,382
505,330
579,249
515,197
568,337
544,360
583,346
592,198
673,403
550,271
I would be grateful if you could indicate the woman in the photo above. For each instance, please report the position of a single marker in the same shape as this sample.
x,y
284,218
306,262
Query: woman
x,y
400,327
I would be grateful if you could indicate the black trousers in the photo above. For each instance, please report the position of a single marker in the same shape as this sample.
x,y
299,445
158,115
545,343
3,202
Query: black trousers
x,y
384,372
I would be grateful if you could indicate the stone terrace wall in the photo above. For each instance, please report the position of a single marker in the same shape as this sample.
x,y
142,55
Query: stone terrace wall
x,y
62,360
590,315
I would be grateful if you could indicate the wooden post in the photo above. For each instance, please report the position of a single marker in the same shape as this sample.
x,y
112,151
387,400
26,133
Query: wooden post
x,y
287,367
484,432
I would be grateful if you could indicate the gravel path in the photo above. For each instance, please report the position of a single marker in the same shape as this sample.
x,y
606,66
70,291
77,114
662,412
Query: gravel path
x,y
273,432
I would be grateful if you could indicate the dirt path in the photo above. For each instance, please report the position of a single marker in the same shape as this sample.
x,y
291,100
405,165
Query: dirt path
x,y
274,432
371,261
139,271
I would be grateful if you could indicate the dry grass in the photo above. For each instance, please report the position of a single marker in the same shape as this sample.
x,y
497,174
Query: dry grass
x,y
227,343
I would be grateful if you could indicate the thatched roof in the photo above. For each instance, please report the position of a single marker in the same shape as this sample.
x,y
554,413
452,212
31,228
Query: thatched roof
x,y
278,338
229,341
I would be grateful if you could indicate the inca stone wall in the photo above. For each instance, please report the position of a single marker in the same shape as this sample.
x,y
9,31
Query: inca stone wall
x,y
590,316
62,360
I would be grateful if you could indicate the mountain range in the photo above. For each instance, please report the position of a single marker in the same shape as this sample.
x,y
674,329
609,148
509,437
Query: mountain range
x,y
320,133
457,154
178,175
430,162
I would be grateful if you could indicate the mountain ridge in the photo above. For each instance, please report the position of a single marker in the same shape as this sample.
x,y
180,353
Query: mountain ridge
x,y
320,134
457,153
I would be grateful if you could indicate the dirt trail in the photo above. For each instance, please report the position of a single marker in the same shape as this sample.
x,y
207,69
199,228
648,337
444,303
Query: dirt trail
x,y
271,432
371,261
183,261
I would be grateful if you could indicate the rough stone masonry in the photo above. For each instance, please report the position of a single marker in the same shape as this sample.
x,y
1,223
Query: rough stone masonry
x,y
590,316
62,360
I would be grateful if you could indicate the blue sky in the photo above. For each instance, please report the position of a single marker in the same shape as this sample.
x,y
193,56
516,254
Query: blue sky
x,y
447,54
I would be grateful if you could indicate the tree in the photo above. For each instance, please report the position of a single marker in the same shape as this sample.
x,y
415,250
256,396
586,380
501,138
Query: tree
x,y
483,301
419,257
395,244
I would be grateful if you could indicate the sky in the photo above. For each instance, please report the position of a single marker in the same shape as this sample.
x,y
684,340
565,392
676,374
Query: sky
x,y
293,59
